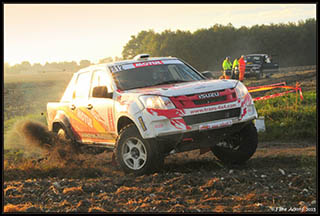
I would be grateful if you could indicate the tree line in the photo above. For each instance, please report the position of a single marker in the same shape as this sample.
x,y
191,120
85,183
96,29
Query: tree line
x,y
292,44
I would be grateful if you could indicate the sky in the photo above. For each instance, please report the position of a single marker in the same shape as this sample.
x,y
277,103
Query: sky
x,y
41,33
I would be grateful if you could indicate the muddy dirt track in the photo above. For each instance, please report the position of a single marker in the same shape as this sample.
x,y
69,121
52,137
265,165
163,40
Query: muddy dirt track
x,y
280,177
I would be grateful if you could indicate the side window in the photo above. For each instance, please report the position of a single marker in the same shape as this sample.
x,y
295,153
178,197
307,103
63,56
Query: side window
x,y
83,85
100,78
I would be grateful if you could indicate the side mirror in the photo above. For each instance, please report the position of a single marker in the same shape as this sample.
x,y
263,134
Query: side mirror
x,y
207,74
101,92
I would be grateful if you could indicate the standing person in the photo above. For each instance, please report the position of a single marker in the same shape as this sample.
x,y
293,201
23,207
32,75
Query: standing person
x,y
242,68
235,69
227,66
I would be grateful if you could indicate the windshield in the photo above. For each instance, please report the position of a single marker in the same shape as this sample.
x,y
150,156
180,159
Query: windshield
x,y
154,75
254,59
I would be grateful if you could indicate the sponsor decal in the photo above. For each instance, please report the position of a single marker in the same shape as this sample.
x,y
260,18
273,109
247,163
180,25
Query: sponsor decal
x,y
209,95
115,68
158,126
216,108
83,117
102,136
142,123
144,64
216,125
110,119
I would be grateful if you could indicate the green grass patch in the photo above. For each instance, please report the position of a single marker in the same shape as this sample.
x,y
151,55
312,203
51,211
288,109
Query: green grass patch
x,y
287,119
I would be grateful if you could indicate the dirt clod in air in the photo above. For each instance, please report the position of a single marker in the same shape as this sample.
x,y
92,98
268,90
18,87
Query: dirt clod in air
x,y
36,137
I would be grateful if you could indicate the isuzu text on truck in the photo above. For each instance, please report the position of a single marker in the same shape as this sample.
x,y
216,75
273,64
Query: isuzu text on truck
x,y
148,108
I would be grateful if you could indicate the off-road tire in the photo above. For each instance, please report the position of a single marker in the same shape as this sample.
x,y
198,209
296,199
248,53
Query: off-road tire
x,y
247,141
62,134
152,159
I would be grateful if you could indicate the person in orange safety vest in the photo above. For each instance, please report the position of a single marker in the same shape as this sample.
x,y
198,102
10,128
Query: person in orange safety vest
x,y
242,68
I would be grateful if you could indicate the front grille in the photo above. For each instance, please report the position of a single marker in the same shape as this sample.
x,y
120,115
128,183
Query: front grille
x,y
210,100
193,100
212,116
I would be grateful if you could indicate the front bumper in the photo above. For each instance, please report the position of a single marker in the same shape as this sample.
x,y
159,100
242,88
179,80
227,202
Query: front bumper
x,y
159,124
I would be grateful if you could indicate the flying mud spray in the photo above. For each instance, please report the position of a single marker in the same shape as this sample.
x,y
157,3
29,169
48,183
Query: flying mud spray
x,y
44,150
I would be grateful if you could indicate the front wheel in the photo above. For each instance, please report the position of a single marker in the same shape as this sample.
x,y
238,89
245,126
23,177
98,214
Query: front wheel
x,y
238,148
135,154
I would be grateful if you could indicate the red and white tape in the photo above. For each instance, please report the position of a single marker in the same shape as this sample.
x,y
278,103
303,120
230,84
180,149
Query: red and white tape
x,y
275,86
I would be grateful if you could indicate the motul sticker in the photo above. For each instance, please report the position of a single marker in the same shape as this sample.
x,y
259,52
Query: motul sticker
x,y
150,63
117,68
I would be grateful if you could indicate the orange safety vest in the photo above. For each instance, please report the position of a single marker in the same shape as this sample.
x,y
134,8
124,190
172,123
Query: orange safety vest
x,y
242,68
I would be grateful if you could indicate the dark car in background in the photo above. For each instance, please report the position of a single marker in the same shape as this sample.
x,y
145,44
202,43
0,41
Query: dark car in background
x,y
260,65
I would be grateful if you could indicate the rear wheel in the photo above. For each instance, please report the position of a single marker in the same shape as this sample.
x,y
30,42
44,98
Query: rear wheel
x,y
238,148
62,135
135,154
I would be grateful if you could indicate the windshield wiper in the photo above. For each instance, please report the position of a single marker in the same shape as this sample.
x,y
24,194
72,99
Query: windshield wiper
x,y
172,81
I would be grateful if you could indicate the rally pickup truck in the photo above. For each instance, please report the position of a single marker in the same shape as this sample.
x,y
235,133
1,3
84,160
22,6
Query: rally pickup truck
x,y
260,65
145,109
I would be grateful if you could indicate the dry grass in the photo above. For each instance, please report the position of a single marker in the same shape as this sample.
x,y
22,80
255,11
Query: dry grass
x,y
40,77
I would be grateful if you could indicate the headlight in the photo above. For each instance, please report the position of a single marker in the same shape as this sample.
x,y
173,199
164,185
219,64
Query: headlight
x,y
241,90
156,102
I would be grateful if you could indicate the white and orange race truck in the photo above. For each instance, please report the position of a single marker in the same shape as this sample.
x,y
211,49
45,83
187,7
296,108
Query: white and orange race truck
x,y
145,109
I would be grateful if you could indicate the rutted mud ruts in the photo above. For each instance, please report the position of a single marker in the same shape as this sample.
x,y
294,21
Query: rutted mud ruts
x,y
273,180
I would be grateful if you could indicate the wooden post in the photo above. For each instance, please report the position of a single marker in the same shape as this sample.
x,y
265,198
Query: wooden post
x,y
297,86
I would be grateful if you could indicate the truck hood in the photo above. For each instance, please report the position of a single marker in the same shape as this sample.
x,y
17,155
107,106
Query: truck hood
x,y
186,88
253,65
